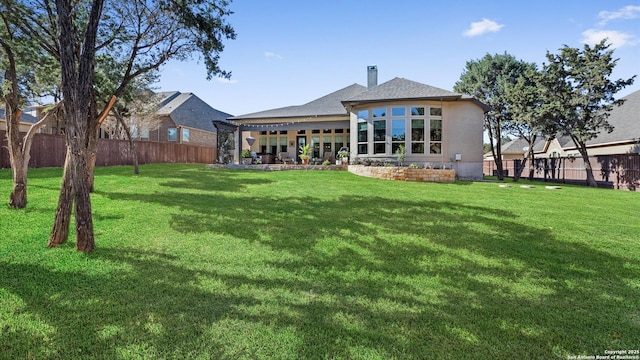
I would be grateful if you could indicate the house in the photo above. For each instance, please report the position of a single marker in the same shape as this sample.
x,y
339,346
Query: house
x,y
26,120
434,125
185,118
624,139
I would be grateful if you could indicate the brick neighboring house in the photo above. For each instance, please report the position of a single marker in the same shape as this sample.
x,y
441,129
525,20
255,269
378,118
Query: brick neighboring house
x,y
185,118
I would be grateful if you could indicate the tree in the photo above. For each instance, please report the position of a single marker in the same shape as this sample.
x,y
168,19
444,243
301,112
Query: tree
x,y
524,100
145,35
578,94
28,73
486,80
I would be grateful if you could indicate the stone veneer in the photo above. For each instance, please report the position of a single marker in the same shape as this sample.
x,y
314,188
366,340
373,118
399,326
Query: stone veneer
x,y
404,173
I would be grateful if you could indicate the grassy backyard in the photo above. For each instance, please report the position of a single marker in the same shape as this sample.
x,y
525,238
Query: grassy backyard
x,y
209,263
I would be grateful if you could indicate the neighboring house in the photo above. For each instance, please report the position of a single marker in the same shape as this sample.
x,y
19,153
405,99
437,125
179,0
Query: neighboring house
x,y
26,120
434,125
185,118
624,139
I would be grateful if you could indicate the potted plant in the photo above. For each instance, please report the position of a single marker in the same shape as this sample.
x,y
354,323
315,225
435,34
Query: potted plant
x,y
343,155
246,156
304,154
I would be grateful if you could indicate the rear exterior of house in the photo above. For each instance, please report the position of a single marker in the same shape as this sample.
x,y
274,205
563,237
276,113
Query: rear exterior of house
x,y
438,128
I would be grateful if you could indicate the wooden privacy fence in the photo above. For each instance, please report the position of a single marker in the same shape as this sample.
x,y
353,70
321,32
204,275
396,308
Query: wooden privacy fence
x,y
610,171
49,151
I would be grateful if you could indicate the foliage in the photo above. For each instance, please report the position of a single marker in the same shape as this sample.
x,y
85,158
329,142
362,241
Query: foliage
x,y
343,154
186,269
487,80
304,151
414,166
401,154
578,94
326,163
246,153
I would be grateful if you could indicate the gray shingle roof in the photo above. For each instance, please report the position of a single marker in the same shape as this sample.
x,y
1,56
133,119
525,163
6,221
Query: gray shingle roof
x,y
24,118
400,88
625,120
186,109
327,105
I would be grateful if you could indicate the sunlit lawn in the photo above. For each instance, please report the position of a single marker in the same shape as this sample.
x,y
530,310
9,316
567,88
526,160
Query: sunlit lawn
x,y
202,263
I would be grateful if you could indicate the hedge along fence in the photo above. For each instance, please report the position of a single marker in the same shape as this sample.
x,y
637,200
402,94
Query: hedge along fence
x,y
402,173
49,151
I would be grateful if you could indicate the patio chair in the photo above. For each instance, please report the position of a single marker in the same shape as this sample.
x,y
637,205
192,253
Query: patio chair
x,y
285,159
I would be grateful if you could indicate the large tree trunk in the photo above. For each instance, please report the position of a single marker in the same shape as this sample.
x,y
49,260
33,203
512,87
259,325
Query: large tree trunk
x,y
77,69
18,197
62,219
582,148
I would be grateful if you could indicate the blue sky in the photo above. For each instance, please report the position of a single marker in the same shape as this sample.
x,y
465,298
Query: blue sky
x,y
289,52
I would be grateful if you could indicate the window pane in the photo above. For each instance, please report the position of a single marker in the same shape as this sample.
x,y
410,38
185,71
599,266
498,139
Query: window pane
x,y
379,112
435,148
395,147
417,148
172,134
397,130
363,114
435,111
417,130
379,148
283,140
185,135
273,141
273,132
436,130
362,148
362,132
283,132
416,111
379,130
398,111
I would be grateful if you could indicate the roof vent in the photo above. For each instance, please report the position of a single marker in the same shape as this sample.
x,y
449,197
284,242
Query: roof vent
x,y
372,76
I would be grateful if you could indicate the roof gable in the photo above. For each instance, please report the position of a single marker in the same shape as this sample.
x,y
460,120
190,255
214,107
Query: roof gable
x,y
186,109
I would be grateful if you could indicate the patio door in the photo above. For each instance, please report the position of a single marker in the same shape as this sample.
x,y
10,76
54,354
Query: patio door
x,y
302,141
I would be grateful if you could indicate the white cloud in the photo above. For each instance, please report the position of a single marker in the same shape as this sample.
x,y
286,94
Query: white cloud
x,y
482,27
272,55
227,81
617,39
627,12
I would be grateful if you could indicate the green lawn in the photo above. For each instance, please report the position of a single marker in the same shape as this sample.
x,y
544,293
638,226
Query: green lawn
x,y
204,263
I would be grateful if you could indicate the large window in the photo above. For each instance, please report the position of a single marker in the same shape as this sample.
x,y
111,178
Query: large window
x,y
326,146
273,145
283,143
263,145
435,140
379,136
339,142
417,136
315,146
172,134
419,128
363,133
398,134
186,134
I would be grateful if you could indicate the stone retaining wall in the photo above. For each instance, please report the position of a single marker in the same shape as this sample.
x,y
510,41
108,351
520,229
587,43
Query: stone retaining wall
x,y
404,173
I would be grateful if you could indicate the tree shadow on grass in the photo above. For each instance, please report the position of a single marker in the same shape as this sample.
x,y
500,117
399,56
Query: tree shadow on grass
x,y
378,278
